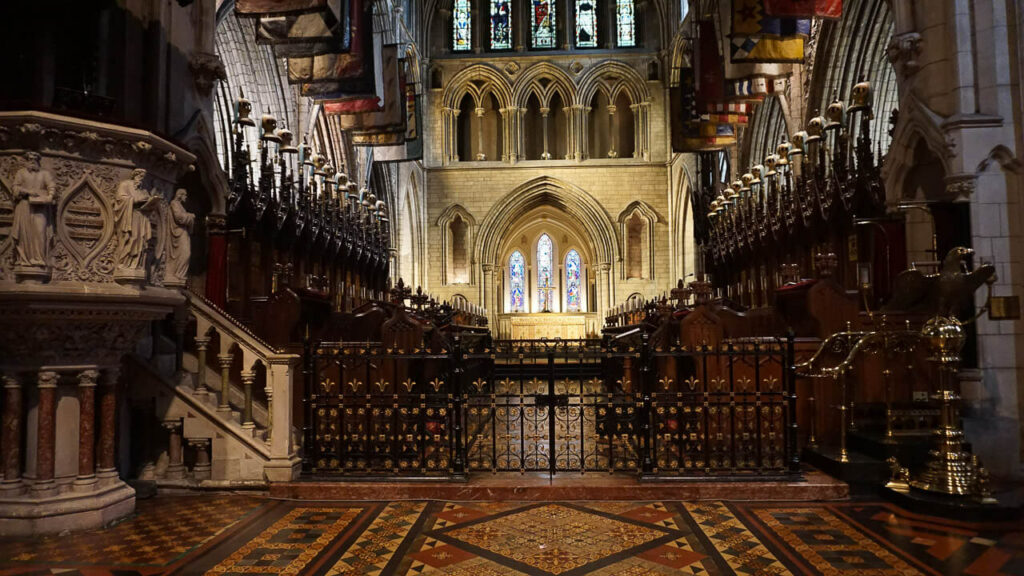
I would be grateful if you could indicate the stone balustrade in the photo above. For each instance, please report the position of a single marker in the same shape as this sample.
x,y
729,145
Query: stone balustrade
x,y
234,339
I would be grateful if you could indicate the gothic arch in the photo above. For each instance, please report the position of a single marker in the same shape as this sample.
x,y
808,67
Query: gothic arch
x,y
1005,158
850,48
478,80
411,239
453,213
680,54
625,78
547,191
638,211
767,128
530,82
680,226
916,123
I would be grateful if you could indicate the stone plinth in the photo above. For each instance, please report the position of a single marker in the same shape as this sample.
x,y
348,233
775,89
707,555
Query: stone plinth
x,y
58,338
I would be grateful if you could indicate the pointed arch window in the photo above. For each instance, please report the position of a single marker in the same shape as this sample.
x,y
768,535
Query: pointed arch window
x,y
625,27
517,282
545,278
462,26
586,23
501,24
543,33
573,297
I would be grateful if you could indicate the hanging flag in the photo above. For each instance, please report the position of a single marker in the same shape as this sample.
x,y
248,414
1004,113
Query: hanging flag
x,y
683,107
722,118
757,37
831,9
707,136
710,68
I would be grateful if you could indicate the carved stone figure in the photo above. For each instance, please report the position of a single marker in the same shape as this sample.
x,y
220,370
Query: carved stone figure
x,y
180,223
32,223
134,228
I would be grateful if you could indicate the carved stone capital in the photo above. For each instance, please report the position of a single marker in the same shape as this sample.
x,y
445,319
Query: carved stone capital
x,y
47,379
172,426
960,185
88,378
206,69
225,360
202,343
903,51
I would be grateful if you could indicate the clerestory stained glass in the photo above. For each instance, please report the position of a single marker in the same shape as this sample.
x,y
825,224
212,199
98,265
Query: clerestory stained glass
x,y
586,23
462,27
501,24
517,282
543,24
573,299
625,27
545,285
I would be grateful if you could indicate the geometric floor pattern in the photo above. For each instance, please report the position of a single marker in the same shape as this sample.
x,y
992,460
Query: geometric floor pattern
x,y
246,535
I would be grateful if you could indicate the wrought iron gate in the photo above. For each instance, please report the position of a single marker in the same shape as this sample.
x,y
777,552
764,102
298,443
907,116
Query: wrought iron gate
x,y
547,406
550,406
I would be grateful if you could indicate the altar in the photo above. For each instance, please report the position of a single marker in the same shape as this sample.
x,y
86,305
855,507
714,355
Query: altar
x,y
548,325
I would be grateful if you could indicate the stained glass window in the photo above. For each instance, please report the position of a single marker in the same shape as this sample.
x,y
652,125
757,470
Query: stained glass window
x,y
517,282
501,24
545,286
586,23
462,26
543,24
573,299
624,24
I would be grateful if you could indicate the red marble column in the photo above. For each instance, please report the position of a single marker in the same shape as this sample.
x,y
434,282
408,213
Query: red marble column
x,y
46,434
10,434
87,425
105,465
216,261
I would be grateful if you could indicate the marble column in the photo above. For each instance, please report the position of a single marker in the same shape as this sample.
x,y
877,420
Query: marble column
x,y
201,469
613,132
106,458
176,464
87,426
480,156
544,112
225,361
10,435
201,345
46,431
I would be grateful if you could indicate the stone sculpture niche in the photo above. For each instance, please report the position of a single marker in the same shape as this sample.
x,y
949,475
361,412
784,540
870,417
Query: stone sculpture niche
x,y
178,242
32,222
133,208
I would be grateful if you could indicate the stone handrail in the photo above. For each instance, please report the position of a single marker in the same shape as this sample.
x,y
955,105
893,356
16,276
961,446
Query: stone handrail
x,y
280,366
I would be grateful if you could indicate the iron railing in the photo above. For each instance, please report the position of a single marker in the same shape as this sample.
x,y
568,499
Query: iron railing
x,y
551,406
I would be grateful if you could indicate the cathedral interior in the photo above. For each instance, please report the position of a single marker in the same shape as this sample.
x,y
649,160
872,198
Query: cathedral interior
x,y
503,287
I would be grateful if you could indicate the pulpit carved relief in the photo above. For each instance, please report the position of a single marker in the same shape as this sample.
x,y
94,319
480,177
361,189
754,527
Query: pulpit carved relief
x,y
85,202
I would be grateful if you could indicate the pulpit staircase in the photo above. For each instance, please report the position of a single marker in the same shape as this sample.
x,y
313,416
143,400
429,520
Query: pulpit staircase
x,y
218,425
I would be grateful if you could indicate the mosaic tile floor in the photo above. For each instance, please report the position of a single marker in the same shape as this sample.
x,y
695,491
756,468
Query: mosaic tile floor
x,y
242,535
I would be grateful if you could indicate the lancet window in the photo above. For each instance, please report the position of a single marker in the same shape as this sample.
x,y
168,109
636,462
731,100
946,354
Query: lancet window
x,y
573,282
625,26
501,24
545,278
543,32
586,23
517,282
462,26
